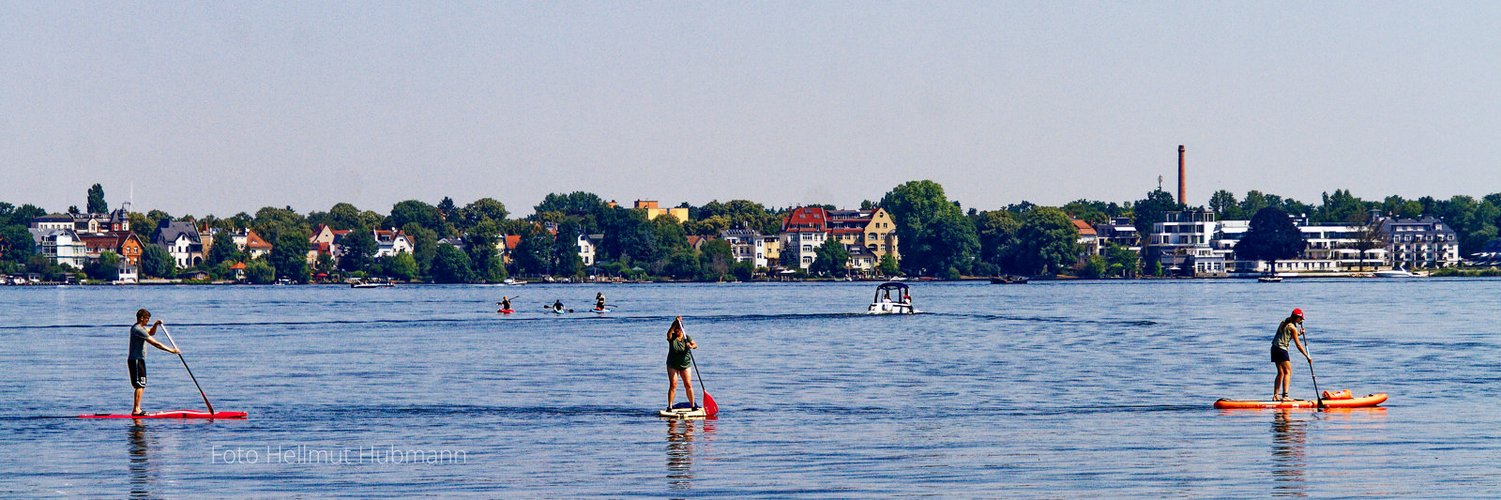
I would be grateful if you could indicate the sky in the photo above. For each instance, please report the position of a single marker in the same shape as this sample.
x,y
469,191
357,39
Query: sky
x,y
223,107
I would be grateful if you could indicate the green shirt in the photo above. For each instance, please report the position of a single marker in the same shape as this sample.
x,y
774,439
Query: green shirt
x,y
678,355
1284,335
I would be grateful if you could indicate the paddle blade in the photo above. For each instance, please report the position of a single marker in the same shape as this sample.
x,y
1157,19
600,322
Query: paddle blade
x,y
710,407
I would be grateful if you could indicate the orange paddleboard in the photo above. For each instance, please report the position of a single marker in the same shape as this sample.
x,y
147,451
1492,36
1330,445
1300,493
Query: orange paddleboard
x,y
1365,401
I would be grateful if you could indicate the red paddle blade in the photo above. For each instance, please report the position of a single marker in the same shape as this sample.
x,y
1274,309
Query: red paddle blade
x,y
710,407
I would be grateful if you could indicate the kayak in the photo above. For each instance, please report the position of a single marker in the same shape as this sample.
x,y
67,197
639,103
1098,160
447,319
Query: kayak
x,y
682,410
180,414
506,311
1365,401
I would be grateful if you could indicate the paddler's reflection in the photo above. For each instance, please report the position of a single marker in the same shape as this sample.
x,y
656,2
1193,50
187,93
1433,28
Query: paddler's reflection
x,y
1289,461
141,474
680,450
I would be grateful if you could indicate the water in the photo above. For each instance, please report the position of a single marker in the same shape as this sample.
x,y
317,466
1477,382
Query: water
x,y
1048,389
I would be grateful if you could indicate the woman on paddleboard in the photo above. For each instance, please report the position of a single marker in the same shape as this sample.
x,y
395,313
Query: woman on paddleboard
x,y
1289,332
135,361
679,359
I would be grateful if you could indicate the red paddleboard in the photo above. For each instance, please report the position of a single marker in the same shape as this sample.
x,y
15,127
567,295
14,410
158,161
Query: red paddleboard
x,y
1366,401
181,414
506,311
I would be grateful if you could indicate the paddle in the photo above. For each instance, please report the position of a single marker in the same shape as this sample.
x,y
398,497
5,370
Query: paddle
x,y
1319,396
190,370
710,407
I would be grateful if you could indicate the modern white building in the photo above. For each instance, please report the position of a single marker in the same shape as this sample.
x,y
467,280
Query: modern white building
x,y
746,245
1183,240
62,246
1425,242
1327,249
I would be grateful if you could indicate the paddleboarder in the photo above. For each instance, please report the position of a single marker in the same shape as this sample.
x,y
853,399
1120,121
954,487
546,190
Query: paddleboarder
x,y
599,301
135,362
1289,332
679,359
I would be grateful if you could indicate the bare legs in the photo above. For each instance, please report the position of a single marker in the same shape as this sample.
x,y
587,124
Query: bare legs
x,y
136,406
1284,372
673,375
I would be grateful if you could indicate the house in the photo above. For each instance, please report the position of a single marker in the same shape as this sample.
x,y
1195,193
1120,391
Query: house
x,y
61,246
696,242
1118,231
653,210
746,245
1089,240
125,244
252,244
589,247
113,222
53,221
181,239
322,243
773,245
391,242
803,231
1425,242
1182,241
507,246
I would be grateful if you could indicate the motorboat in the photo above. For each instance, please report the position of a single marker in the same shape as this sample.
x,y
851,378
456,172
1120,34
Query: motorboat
x,y
1399,273
370,284
1270,278
1008,280
513,282
885,303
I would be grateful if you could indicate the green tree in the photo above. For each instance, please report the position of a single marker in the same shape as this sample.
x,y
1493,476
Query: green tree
x,y
1340,207
589,208
1223,204
533,253
997,232
482,210
715,258
401,266
289,256
450,265
157,262
1271,237
260,272
1152,210
1123,261
413,211
424,246
934,231
105,268
223,250
888,265
1095,267
565,250
831,259
1368,236
357,250
96,200
16,244
681,264
325,264
448,210
1048,242
484,257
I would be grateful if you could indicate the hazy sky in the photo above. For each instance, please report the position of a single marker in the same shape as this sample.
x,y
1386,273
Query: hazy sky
x,y
227,107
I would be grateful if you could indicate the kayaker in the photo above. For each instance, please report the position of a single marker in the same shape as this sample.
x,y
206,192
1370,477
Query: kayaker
x,y
679,359
505,303
599,301
557,306
1289,332
135,361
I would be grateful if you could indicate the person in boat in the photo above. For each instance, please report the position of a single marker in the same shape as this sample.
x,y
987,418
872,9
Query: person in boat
x,y
557,306
599,301
505,303
1290,332
135,361
907,297
679,359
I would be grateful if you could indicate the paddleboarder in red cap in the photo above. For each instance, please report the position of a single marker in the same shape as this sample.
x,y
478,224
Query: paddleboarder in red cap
x,y
1289,332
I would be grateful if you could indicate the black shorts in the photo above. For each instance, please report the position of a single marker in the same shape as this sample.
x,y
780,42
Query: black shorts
x,y
1279,355
137,372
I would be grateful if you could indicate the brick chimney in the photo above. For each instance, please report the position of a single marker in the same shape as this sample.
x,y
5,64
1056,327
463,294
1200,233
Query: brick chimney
x,y
1182,186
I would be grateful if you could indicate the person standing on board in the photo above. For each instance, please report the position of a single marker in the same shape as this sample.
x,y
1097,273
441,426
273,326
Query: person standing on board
x,y
135,362
599,301
679,359
1289,332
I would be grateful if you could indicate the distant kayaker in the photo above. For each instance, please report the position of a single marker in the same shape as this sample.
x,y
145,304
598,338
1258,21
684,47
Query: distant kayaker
x,y
505,303
135,362
1289,332
599,301
557,306
679,359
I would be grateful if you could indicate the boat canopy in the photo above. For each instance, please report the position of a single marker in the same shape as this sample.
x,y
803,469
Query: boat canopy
x,y
888,287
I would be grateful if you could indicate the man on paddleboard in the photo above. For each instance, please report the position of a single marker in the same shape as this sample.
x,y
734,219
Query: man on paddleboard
x,y
679,359
599,301
135,362
1289,332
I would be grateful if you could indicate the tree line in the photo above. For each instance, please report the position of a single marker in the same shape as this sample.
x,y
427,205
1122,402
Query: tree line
x,y
937,235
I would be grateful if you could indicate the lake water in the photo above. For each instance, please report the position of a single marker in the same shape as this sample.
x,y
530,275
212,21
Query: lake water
x,y
1050,389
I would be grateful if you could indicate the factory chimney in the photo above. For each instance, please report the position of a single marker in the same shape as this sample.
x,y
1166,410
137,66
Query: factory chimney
x,y
1182,187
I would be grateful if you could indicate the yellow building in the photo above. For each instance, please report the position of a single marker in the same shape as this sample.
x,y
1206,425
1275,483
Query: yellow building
x,y
653,210
873,230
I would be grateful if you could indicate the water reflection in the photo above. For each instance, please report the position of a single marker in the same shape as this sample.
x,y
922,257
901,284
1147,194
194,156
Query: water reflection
x,y
1289,457
680,450
142,476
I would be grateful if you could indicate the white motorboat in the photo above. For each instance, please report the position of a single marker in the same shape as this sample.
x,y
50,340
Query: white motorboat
x,y
1399,273
884,303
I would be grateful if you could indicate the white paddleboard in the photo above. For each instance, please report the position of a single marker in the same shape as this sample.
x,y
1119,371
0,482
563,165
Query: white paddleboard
x,y
683,413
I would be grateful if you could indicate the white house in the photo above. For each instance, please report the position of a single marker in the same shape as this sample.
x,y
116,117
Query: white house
x,y
746,245
588,247
391,242
181,239
62,246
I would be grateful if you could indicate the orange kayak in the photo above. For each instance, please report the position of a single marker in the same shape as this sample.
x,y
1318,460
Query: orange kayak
x,y
1365,401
